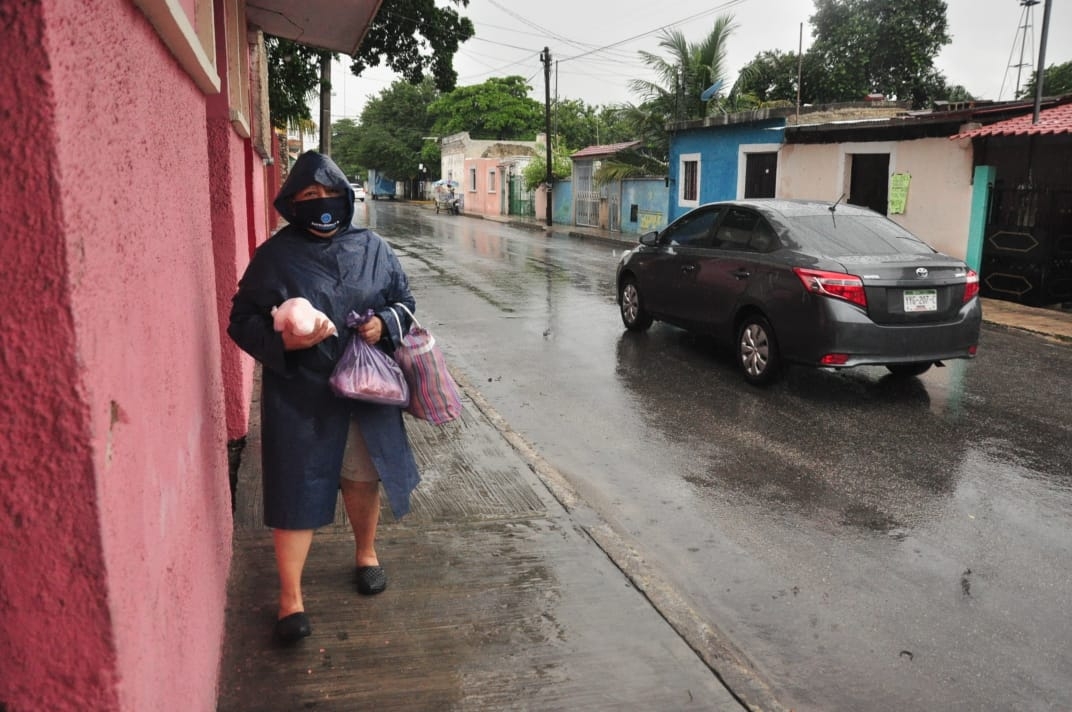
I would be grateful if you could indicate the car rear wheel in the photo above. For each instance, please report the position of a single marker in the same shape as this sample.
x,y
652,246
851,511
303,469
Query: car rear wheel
x,y
633,315
908,369
757,350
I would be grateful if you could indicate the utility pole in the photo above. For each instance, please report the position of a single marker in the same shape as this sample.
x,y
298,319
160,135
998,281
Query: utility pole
x,y
1041,61
800,67
325,103
545,57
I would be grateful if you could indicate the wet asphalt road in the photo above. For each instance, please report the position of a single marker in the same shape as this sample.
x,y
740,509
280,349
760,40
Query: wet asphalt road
x,y
869,544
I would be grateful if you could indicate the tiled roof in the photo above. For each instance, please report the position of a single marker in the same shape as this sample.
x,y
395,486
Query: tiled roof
x,y
605,150
1056,120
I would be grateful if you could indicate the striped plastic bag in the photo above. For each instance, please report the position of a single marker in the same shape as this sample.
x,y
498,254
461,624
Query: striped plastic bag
x,y
433,395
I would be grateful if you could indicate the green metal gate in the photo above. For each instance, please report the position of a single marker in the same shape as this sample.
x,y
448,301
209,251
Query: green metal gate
x,y
521,201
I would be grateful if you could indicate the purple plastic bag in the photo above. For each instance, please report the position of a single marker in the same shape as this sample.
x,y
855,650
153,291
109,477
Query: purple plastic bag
x,y
365,373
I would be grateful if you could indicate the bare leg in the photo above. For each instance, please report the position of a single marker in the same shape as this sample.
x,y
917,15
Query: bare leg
x,y
362,501
291,550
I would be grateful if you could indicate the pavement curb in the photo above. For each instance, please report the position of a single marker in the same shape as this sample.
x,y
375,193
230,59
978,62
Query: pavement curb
x,y
738,674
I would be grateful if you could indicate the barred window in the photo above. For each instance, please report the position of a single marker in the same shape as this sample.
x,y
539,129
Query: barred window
x,y
688,191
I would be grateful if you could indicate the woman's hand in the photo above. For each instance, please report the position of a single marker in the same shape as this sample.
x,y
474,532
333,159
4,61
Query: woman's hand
x,y
372,330
295,342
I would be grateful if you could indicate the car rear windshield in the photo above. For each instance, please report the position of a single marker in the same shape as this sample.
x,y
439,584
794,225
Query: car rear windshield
x,y
839,235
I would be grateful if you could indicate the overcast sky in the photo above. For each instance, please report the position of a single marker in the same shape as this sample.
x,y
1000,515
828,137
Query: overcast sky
x,y
594,43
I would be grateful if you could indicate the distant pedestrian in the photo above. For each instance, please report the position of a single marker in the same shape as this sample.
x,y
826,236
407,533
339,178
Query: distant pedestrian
x,y
314,442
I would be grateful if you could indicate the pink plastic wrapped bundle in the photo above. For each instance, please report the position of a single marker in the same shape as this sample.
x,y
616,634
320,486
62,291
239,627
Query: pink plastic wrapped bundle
x,y
298,316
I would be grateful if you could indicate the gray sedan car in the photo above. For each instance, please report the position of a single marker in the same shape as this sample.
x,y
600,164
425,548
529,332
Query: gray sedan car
x,y
807,282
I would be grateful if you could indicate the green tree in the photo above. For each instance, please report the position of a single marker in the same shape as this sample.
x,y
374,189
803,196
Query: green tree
x,y
1056,81
293,78
392,130
885,46
645,123
415,38
534,173
574,123
630,163
957,93
770,79
577,124
345,137
688,69
500,108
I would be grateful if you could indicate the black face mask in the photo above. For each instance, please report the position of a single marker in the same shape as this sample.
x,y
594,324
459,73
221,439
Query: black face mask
x,y
321,214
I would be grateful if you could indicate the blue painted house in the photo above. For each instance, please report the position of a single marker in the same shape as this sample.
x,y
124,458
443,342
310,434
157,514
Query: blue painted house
x,y
724,157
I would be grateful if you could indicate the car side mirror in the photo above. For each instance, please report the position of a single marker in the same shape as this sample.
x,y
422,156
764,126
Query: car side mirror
x,y
650,239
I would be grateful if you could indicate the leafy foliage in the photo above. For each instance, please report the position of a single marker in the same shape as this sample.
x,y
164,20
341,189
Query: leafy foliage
x,y
293,77
771,77
392,131
411,36
534,173
1056,81
646,123
630,163
681,77
578,125
345,135
885,46
686,72
415,38
957,93
500,108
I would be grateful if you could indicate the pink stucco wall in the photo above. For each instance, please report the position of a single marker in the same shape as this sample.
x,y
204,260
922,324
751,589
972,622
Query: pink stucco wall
x,y
236,191
485,199
54,629
115,511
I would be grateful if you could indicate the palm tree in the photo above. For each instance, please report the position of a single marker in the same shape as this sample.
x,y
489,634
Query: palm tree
x,y
686,72
682,77
647,124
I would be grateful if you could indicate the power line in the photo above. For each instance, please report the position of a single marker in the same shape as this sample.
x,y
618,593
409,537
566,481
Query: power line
x,y
723,6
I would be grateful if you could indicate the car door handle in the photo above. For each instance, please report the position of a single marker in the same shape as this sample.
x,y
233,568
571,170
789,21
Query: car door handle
x,y
741,273
688,268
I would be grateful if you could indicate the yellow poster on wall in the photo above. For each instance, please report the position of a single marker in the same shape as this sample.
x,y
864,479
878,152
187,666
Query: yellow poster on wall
x,y
898,193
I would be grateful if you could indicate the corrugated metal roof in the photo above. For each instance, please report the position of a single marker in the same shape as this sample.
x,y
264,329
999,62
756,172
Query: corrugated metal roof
x,y
1056,120
605,150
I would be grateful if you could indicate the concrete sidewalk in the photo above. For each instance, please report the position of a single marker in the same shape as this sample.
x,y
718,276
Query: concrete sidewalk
x,y
503,594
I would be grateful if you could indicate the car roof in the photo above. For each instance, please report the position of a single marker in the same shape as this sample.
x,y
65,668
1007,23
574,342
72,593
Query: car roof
x,y
797,208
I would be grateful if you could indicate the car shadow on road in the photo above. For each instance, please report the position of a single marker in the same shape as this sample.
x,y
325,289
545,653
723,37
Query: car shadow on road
x,y
827,386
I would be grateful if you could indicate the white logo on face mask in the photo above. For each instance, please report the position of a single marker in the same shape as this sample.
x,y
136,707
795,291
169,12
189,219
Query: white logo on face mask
x,y
326,223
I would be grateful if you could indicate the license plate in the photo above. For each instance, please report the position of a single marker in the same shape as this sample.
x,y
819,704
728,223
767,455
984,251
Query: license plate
x,y
920,300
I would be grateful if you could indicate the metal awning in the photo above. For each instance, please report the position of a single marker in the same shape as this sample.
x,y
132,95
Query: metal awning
x,y
339,26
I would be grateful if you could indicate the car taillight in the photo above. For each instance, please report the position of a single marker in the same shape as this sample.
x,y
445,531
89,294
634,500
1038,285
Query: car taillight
x,y
971,287
834,284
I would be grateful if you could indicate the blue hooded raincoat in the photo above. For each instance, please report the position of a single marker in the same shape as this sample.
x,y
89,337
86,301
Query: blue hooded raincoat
x,y
304,424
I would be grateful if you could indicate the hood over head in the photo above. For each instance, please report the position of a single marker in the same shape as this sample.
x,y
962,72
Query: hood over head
x,y
312,167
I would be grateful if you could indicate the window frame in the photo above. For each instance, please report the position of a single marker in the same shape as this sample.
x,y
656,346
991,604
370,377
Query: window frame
x,y
684,160
193,43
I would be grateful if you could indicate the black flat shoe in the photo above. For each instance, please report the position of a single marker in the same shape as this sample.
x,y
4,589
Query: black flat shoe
x,y
293,628
370,580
